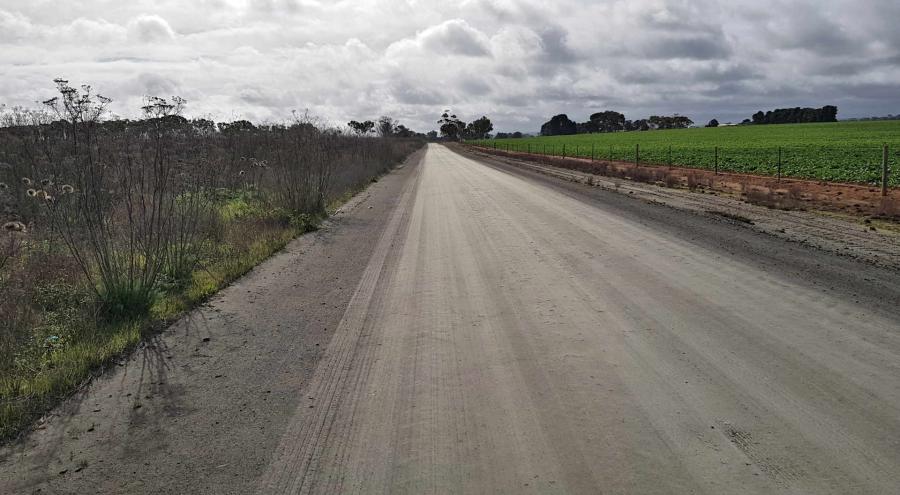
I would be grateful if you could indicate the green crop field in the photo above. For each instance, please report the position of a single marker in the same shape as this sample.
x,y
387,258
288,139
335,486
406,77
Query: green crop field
x,y
840,151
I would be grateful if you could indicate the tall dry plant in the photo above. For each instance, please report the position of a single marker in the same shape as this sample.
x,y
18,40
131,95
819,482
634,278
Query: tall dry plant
x,y
129,208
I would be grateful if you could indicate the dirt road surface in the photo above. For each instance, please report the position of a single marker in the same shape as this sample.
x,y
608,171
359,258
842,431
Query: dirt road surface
x,y
511,333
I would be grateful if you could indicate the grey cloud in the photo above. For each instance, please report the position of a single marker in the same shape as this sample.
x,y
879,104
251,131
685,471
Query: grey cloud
x,y
554,41
155,85
698,47
518,61
872,91
407,93
474,87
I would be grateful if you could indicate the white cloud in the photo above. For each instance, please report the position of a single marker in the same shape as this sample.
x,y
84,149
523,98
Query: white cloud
x,y
452,37
150,29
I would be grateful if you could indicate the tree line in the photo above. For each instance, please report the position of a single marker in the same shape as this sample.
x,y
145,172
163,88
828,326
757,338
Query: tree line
x,y
612,121
385,127
796,115
454,129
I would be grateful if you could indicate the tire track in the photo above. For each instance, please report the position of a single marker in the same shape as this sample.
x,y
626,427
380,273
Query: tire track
x,y
295,461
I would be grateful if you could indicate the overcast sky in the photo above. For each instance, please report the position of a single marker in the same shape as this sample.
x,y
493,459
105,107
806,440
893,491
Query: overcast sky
x,y
518,62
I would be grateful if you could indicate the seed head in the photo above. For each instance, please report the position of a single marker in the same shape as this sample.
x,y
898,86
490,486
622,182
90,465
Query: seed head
x,y
14,226
67,189
3,186
46,182
26,181
241,172
41,194
31,192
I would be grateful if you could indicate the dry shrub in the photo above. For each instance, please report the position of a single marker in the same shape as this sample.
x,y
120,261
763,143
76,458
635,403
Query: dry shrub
x,y
692,181
795,192
770,197
672,180
889,208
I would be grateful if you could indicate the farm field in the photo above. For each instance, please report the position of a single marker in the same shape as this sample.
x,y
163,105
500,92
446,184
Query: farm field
x,y
841,151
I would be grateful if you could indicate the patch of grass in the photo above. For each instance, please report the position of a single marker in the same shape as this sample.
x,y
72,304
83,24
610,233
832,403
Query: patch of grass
x,y
24,398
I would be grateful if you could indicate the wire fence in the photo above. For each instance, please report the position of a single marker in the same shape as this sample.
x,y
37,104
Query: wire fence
x,y
860,164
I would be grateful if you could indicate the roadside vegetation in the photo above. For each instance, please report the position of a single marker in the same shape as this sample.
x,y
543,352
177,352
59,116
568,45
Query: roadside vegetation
x,y
839,151
112,228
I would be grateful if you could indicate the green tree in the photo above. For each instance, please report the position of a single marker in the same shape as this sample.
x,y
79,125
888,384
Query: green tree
x,y
608,121
479,129
450,126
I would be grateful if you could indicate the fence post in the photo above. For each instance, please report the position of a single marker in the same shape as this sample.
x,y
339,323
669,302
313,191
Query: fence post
x,y
637,154
884,170
717,161
779,164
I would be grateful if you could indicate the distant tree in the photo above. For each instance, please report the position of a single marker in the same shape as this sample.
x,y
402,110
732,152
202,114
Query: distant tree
x,y
203,126
637,125
400,130
669,122
713,123
450,126
361,128
385,126
586,127
479,128
450,131
516,135
559,125
746,121
432,135
796,115
608,121
236,126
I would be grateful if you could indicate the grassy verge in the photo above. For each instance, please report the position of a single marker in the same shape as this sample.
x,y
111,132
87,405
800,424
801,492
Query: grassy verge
x,y
73,344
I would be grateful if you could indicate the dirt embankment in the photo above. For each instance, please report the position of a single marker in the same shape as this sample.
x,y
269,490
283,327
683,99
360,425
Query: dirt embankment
x,y
786,193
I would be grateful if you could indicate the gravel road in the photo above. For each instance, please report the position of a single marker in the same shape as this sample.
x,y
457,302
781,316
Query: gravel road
x,y
508,332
